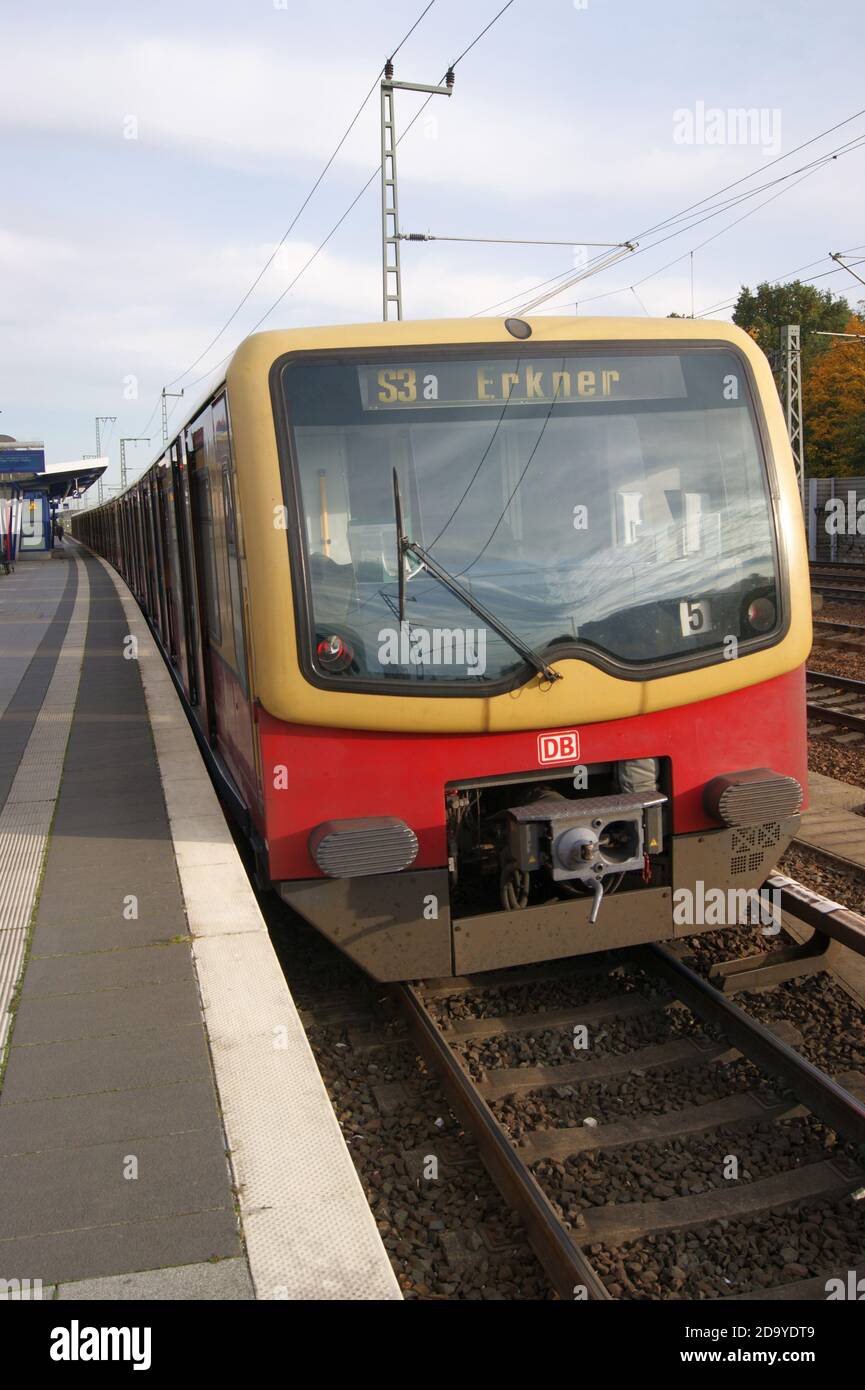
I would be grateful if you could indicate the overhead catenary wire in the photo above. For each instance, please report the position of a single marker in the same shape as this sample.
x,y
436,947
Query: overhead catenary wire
x,y
509,299
686,255
296,218
809,280
803,172
808,171
561,276
373,176
626,289
477,38
719,307
830,130
719,208
606,263
503,241
844,148
271,258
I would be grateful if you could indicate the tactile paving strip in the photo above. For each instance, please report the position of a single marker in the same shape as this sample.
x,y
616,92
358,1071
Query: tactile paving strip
x,y
307,1225
25,820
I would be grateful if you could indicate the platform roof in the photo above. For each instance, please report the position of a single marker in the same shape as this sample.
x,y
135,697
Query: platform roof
x,y
66,479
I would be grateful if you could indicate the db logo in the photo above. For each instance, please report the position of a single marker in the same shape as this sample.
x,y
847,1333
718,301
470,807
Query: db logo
x,y
559,748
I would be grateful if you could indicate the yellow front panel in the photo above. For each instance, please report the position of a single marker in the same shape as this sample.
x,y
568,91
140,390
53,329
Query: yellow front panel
x,y
585,695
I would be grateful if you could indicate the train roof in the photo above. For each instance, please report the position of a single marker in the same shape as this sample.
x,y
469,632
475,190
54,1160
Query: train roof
x,y
439,332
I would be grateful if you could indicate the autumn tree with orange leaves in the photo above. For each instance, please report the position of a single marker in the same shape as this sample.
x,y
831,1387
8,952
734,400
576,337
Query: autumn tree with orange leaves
x,y
834,401
833,386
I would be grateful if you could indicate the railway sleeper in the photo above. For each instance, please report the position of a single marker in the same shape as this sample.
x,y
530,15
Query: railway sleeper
x,y
626,1222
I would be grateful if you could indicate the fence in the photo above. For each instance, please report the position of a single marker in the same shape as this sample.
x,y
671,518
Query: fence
x,y
836,511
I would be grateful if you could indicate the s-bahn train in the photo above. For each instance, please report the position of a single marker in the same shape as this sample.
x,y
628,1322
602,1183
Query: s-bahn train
x,y
492,633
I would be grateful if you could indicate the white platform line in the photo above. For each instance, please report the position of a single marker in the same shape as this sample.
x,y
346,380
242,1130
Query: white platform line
x,y
25,820
309,1231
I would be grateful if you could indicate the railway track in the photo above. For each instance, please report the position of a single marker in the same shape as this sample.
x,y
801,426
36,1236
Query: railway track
x,y
836,700
846,592
604,1151
845,582
827,631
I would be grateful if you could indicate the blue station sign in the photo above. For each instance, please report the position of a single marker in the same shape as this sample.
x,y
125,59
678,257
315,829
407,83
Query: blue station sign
x,y
22,458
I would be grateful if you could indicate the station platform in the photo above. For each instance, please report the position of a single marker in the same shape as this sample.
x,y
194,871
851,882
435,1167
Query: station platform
x,y
832,828
164,1130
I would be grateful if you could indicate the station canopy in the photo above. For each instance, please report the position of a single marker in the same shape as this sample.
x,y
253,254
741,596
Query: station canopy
x,y
63,480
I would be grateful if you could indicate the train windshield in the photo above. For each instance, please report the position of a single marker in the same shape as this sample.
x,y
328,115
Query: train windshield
x,y
612,506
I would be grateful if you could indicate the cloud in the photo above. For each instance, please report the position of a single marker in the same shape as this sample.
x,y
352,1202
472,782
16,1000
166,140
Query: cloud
x,y
259,107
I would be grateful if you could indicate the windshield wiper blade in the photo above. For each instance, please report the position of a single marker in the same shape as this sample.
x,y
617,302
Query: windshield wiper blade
x,y
401,543
406,547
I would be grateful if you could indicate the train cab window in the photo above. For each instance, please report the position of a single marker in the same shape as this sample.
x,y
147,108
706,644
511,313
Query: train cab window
x,y
608,504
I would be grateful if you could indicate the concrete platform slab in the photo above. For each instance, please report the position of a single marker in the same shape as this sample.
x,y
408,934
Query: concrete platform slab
x,y
112,969
831,827
70,1122
222,1279
124,1247
152,1057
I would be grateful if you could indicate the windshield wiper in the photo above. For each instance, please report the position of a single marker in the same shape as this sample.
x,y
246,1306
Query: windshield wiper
x,y
406,547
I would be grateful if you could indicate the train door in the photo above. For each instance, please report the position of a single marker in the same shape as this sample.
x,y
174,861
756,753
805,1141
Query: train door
x,y
154,559
139,549
195,527
237,743
177,608
161,560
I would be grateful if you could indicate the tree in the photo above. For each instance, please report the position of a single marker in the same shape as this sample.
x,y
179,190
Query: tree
x,y
834,398
765,311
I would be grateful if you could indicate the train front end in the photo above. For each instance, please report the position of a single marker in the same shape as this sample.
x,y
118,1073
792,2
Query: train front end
x,y
529,620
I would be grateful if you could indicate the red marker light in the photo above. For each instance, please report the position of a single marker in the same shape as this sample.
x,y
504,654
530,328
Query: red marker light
x,y
333,654
761,614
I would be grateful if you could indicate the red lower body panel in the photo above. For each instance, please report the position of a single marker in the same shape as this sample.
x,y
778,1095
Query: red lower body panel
x,y
315,774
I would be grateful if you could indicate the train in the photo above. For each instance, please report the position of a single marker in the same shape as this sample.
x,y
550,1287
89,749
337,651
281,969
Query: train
x,y
492,632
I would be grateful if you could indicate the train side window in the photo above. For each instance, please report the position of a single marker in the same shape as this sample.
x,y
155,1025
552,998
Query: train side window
x,y
234,574
201,484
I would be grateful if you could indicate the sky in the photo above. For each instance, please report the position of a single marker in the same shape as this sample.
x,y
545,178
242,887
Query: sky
x,y
154,155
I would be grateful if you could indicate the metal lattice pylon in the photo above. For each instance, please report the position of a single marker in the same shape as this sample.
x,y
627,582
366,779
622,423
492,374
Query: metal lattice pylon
x,y
791,356
390,263
391,275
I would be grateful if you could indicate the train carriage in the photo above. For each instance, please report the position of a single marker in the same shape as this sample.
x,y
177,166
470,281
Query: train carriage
x,y
493,633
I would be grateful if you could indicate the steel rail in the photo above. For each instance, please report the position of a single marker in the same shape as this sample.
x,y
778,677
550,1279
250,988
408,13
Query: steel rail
x,y
830,590
562,1259
830,1102
835,716
566,1262
827,918
838,682
847,719
828,625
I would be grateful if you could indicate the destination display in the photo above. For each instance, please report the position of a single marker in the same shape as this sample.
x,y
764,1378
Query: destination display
x,y
538,381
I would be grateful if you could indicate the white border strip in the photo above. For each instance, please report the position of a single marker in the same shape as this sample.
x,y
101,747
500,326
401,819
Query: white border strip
x,y
309,1231
25,820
